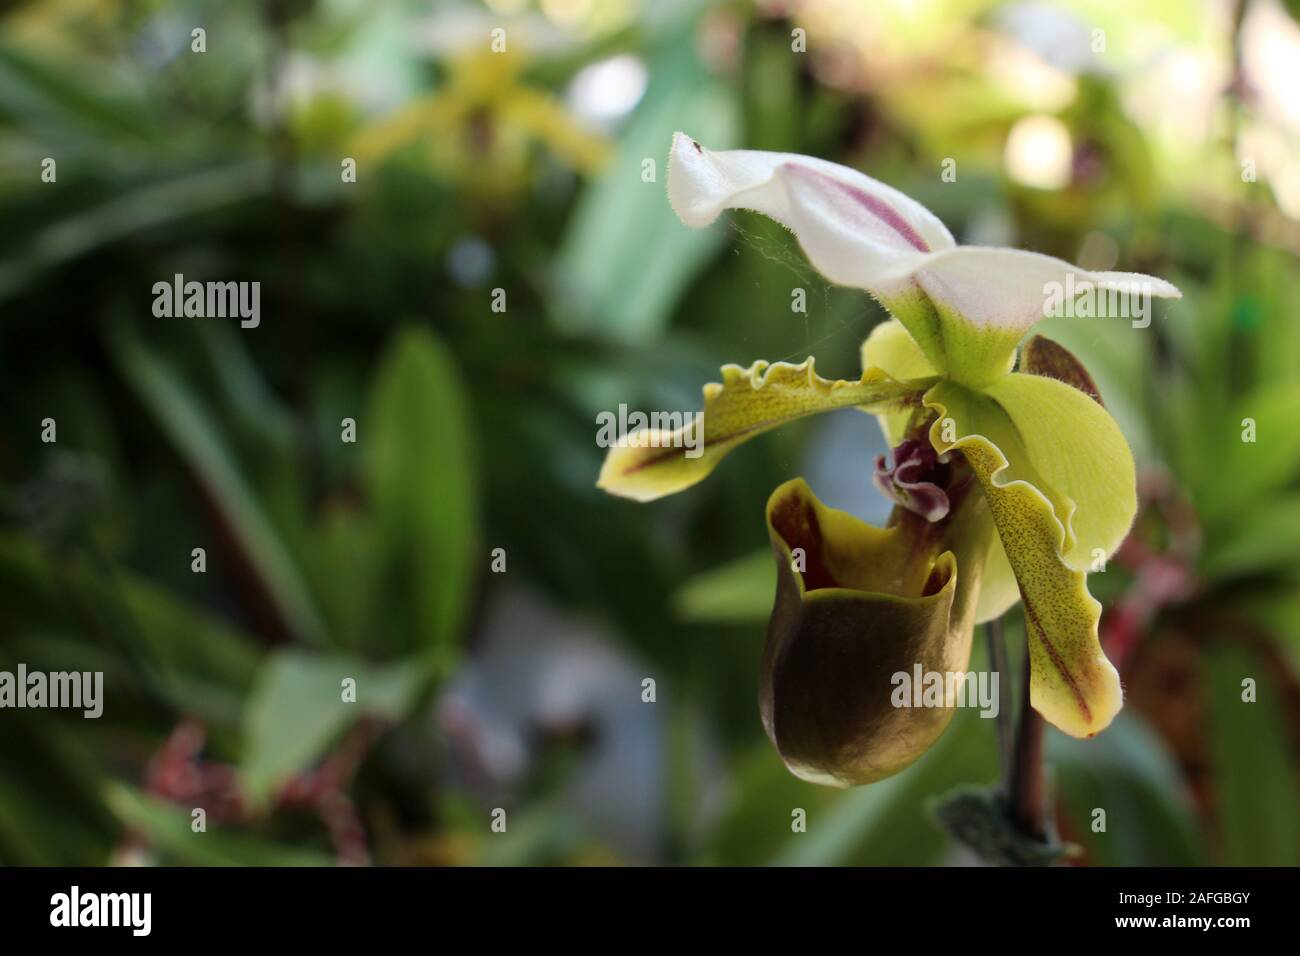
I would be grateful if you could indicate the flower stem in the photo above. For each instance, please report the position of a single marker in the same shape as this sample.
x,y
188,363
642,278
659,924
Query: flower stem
x,y
1025,791
997,648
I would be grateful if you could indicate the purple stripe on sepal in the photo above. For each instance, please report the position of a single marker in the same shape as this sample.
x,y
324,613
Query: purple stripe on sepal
x,y
876,207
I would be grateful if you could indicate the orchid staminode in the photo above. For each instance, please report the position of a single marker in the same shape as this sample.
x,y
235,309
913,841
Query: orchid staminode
x,y
1010,478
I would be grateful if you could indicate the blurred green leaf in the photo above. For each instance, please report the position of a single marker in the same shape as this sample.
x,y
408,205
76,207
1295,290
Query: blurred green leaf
x,y
201,664
764,795
1254,779
1128,772
204,665
296,709
738,592
190,429
1248,474
243,387
540,834
59,104
344,558
168,826
1275,608
623,283
1262,541
421,474
128,214
49,780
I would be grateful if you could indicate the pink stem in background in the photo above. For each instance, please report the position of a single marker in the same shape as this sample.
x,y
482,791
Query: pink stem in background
x,y
177,772
1160,578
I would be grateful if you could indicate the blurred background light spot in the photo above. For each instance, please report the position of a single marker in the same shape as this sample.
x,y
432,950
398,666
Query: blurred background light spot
x,y
606,91
1275,156
1270,44
1027,78
1286,190
471,262
1039,152
567,12
1194,79
1057,36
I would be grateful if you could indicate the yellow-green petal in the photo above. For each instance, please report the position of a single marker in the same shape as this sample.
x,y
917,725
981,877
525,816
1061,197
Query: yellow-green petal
x,y
891,348
1072,684
999,591
655,462
1080,457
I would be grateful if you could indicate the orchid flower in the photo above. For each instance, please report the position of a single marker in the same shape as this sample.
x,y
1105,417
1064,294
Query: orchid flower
x,y
1010,479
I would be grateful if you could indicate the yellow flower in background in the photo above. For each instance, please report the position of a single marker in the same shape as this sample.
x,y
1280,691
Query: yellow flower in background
x,y
482,126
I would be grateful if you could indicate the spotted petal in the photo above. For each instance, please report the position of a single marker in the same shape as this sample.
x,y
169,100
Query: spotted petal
x,y
1072,683
655,462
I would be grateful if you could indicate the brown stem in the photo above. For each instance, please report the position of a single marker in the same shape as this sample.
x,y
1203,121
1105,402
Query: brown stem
x,y
1025,789
997,647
